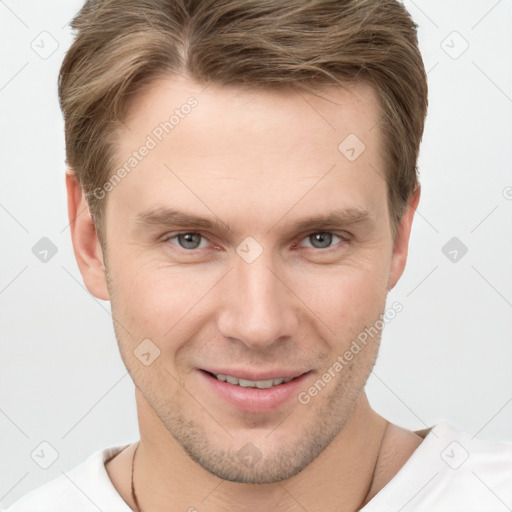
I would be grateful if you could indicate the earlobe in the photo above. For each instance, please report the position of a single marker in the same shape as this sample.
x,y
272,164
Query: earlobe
x,y
401,244
86,246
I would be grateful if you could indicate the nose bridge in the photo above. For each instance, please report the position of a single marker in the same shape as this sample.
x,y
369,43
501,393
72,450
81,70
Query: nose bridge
x,y
257,308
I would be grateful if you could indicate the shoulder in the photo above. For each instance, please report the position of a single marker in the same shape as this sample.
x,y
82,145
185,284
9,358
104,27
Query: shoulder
x,y
450,469
470,470
84,488
460,450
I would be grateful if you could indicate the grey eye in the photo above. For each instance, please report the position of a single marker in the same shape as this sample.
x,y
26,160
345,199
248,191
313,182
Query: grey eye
x,y
189,240
320,240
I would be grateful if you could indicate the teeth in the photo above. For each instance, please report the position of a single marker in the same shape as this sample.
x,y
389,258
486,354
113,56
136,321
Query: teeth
x,y
231,380
260,384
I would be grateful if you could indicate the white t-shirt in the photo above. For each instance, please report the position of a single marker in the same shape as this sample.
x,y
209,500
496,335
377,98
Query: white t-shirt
x,y
448,472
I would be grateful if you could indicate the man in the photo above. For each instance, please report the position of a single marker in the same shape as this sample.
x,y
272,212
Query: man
x,y
241,186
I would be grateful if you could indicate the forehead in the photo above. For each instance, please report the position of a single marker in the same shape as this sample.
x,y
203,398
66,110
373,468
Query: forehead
x,y
249,146
337,107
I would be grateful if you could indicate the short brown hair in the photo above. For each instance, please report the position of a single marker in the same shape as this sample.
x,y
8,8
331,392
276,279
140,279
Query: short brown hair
x,y
122,46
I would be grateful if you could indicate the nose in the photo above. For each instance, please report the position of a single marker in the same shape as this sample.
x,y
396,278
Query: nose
x,y
257,307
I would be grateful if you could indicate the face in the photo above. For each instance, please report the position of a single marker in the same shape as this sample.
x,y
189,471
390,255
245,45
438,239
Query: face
x,y
246,247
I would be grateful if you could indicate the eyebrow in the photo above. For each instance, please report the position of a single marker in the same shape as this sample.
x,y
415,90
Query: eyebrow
x,y
339,217
168,216
161,217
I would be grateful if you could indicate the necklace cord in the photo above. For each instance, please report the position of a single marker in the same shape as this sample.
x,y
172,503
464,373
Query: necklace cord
x,y
134,496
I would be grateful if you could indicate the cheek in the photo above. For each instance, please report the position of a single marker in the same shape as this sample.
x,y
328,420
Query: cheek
x,y
348,296
156,300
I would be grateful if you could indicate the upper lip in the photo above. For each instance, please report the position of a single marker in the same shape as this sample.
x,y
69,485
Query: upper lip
x,y
256,376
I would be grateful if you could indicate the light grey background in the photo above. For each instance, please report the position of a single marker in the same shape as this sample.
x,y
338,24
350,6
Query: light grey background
x,y
447,356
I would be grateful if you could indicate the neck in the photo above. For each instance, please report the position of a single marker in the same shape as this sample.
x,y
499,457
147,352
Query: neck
x,y
340,479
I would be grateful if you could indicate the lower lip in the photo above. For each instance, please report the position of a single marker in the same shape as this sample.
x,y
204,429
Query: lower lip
x,y
254,399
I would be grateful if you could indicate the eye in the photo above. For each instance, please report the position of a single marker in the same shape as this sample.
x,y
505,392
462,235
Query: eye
x,y
321,240
190,240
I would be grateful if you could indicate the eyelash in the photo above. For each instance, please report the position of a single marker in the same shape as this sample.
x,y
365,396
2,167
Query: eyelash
x,y
344,238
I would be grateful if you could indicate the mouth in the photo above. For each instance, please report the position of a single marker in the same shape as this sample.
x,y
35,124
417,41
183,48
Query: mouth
x,y
254,392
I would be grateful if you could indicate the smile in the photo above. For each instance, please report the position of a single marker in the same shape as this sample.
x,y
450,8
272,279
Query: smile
x,y
254,392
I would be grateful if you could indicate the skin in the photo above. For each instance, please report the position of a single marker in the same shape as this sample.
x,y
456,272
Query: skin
x,y
259,161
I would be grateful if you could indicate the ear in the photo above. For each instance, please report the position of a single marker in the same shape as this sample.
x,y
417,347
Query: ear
x,y
401,244
86,245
